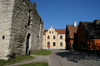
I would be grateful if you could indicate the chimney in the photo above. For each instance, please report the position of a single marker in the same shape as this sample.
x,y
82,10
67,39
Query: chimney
x,y
75,24
96,22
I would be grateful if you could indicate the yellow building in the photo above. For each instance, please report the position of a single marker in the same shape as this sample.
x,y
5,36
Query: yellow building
x,y
54,39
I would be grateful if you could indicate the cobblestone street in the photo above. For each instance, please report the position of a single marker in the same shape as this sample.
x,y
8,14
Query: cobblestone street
x,y
73,58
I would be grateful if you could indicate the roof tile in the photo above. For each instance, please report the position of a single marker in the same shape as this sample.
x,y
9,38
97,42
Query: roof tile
x,y
72,30
60,31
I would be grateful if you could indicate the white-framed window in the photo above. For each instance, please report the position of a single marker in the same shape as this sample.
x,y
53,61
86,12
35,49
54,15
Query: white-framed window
x,y
61,43
54,44
54,37
48,37
61,37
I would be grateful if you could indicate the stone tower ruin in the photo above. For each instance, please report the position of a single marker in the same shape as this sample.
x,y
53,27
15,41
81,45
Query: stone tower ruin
x,y
21,28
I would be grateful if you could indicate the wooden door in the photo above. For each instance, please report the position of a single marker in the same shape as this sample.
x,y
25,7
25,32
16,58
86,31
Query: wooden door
x,y
48,45
71,44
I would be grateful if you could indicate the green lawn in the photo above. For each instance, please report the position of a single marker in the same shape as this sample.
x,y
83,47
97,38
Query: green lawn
x,y
2,62
42,52
24,57
36,64
16,59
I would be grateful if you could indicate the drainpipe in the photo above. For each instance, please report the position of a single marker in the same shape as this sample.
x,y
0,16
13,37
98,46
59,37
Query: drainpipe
x,y
45,42
57,41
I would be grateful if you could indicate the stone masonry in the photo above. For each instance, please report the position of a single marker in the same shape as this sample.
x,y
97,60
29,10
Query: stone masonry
x,y
21,28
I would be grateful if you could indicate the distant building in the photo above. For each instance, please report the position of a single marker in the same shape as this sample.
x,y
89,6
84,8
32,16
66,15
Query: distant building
x,y
88,35
71,31
54,39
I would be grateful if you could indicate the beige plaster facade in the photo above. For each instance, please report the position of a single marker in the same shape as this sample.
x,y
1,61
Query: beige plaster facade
x,y
54,39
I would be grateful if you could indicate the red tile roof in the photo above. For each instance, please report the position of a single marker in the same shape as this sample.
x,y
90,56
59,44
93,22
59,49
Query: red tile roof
x,y
72,30
60,31
45,31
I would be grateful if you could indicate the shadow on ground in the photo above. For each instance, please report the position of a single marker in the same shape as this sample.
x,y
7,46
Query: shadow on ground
x,y
76,56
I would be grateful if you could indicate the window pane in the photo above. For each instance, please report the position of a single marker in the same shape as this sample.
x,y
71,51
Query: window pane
x,y
61,43
61,37
48,37
53,37
54,44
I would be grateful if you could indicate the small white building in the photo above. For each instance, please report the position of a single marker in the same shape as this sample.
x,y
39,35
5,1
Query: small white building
x,y
54,39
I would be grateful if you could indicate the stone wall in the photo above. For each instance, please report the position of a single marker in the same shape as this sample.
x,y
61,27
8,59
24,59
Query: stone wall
x,y
6,12
25,28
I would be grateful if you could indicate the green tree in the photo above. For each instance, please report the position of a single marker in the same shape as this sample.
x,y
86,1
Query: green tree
x,y
34,6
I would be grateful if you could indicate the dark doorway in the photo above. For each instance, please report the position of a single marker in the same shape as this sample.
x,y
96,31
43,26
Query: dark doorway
x,y
48,45
27,45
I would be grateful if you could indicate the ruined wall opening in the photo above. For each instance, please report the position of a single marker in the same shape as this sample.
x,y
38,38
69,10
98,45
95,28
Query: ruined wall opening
x,y
3,37
28,44
29,17
40,30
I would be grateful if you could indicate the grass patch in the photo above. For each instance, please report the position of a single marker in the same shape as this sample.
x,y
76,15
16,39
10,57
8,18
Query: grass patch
x,y
2,62
36,64
16,59
42,52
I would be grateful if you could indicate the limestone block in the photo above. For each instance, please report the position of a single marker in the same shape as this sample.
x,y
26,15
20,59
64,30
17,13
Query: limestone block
x,y
7,25
5,42
6,46
1,25
5,58
1,54
10,13
6,51
6,32
1,46
7,37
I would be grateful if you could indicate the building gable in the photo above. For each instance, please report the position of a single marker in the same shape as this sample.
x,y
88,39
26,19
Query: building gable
x,y
92,29
71,29
58,31
50,31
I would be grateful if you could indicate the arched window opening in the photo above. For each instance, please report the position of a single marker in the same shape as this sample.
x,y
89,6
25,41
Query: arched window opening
x,y
54,44
48,37
54,37
61,43
61,37
40,19
48,44
28,44
3,37
40,30
29,18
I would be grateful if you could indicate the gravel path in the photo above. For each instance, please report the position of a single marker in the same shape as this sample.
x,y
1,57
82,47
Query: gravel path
x,y
65,58
37,58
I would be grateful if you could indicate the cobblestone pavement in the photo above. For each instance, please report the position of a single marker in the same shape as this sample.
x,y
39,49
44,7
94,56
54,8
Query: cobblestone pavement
x,y
73,58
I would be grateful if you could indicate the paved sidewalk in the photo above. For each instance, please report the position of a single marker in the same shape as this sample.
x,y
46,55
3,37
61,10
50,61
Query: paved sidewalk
x,y
73,58
54,60
37,58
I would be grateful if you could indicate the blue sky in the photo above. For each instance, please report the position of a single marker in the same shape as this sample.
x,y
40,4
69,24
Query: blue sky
x,y
59,13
